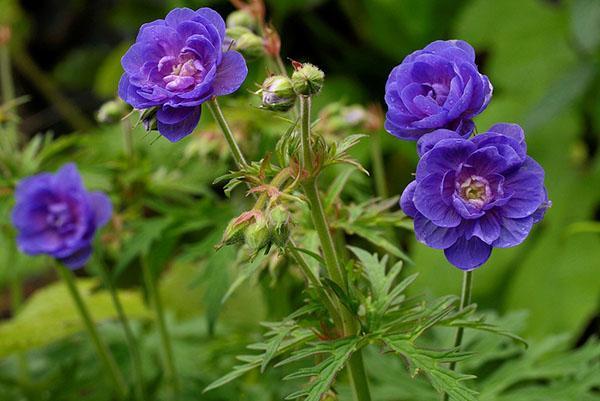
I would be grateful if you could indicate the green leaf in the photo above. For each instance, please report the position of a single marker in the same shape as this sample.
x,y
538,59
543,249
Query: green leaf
x,y
430,363
336,187
50,315
583,227
295,338
568,87
376,237
146,233
585,23
335,353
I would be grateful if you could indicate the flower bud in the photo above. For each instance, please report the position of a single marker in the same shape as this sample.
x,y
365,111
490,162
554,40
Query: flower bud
x,y
112,111
148,118
307,79
258,235
280,218
246,42
278,93
234,233
241,18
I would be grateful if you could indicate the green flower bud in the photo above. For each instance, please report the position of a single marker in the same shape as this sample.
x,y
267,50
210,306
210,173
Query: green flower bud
x,y
308,80
148,119
235,32
112,111
234,233
241,18
258,235
280,218
278,93
246,42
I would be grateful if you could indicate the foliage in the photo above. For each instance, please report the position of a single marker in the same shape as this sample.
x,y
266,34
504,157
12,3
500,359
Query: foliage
x,y
173,202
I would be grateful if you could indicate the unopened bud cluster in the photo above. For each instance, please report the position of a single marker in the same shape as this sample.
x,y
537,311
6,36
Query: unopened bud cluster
x,y
258,230
279,92
241,35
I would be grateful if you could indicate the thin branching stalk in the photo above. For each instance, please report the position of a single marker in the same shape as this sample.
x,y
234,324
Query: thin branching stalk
x,y
340,315
465,300
101,347
165,338
129,337
236,152
240,162
356,369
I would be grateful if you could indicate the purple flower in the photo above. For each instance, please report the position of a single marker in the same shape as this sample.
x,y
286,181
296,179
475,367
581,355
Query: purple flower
x,y
437,87
471,195
56,216
177,64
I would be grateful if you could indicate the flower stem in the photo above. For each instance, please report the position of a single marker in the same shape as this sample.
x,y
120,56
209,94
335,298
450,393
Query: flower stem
x,y
236,152
378,167
358,377
8,87
313,279
465,300
129,337
165,338
356,369
101,348
16,300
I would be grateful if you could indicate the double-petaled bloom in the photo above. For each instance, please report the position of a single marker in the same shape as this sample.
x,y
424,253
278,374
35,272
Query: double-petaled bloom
x,y
472,195
436,87
55,215
178,63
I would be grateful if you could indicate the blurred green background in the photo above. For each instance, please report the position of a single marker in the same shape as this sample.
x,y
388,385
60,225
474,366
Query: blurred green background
x,y
542,56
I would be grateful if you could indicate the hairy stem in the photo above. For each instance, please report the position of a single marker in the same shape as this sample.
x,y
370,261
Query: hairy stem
x,y
236,152
101,348
165,338
465,300
129,337
355,366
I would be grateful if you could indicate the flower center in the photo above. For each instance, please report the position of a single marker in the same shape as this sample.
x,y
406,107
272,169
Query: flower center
x,y
58,215
475,190
185,71
438,92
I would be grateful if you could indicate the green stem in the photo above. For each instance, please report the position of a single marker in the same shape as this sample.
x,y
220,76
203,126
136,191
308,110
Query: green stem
x,y
280,66
129,337
16,300
465,300
236,152
128,141
378,166
165,338
9,137
50,90
356,371
101,348
8,87
356,368
314,280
